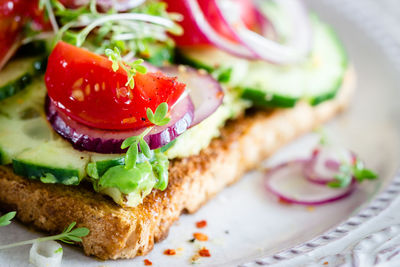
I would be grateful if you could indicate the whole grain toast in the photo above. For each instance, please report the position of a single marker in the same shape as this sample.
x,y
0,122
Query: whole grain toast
x,y
117,232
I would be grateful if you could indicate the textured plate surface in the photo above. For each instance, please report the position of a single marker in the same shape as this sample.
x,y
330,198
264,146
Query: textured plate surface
x,y
246,227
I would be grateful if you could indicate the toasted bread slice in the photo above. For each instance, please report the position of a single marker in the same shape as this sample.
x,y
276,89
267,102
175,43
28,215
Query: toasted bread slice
x,y
117,232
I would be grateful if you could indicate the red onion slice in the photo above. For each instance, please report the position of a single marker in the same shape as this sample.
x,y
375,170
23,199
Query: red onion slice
x,y
287,182
325,163
266,27
331,169
118,5
86,138
297,46
213,36
205,92
247,43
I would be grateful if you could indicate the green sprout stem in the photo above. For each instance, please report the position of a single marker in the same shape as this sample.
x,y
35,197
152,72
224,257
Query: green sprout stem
x,y
158,118
120,17
27,242
50,13
146,23
131,68
69,235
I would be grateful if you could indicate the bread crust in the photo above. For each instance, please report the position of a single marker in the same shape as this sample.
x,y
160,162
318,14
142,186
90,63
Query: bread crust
x,y
117,232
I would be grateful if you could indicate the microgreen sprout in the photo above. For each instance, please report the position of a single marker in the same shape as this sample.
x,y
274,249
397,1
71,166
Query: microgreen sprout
x,y
347,171
6,218
48,5
69,236
131,68
159,118
145,23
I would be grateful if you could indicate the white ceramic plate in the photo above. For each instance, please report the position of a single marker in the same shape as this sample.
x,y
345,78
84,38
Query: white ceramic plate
x,y
246,227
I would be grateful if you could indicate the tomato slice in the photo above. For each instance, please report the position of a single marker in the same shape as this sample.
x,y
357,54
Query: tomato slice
x,y
11,22
14,14
193,36
39,21
84,86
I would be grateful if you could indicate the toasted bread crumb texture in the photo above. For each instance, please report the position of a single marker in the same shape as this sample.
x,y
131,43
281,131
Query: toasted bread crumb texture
x,y
117,232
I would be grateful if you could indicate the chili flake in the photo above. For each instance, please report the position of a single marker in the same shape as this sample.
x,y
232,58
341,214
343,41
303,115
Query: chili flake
x,y
169,252
284,201
201,224
315,152
200,236
204,252
147,262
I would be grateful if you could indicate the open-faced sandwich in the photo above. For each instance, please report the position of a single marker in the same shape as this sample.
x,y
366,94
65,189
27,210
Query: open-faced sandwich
x,y
120,115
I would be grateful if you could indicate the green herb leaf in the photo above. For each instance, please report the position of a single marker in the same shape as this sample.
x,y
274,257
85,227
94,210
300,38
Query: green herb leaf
x,y
164,121
142,69
69,227
341,180
130,68
361,173
348,171
161,112
137,62
6,218
129,141
159,116
150,115
144,147
368,174
73,239
131,156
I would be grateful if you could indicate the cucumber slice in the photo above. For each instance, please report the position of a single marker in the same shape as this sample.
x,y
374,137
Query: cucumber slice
x,y
35,48
23,124
52,162
224,67
316,79
159,54
30,144
17,136
18,74
101,163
